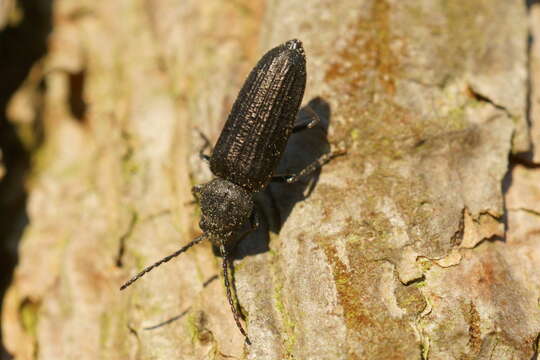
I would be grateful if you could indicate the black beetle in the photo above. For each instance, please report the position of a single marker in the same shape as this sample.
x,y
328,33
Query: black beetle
x,y
248,151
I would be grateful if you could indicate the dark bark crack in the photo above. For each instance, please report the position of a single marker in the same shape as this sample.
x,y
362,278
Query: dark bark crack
x,y
484,98
122,246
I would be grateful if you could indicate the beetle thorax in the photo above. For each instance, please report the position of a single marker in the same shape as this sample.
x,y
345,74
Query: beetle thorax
x,y
225,206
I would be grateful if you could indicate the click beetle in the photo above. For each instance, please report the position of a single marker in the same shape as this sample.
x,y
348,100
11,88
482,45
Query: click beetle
x,y
248,151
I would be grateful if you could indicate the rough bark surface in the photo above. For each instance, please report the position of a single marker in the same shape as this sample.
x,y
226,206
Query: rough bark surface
x,y
423,242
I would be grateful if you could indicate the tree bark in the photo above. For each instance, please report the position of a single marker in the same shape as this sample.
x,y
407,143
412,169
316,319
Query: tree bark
x,y
421,243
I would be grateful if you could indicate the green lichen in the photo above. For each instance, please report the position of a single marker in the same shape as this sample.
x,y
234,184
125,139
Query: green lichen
x,y
424,348
105,326
288,323
29,316
455,119
112,323
196,324
41,159
410,299
192,325
28,135
425,264
353,239
130,167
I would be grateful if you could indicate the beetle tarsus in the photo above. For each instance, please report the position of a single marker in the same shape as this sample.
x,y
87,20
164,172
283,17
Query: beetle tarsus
x,y
292,178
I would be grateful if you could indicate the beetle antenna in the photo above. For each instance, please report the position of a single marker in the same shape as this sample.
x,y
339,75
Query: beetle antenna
x,y
164,260
234,310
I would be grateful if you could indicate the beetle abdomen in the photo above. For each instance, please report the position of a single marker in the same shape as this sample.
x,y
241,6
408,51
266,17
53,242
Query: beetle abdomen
x,y
262,117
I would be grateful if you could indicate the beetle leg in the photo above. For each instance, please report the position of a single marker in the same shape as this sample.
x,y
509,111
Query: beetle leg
x,y
292,178
196,190
315,119
205,146
254,220
234,310
254,224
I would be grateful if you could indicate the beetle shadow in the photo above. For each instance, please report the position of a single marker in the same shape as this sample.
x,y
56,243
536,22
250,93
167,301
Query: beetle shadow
x,y
175,318
168,321
275,203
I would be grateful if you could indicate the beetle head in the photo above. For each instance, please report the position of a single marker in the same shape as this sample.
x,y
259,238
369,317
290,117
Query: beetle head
x,y
225,206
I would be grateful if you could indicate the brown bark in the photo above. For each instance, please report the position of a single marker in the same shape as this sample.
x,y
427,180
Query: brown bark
x,y
421,243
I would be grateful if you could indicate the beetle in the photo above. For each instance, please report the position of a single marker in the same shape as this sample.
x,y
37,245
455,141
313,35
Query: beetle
x,y
248,151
